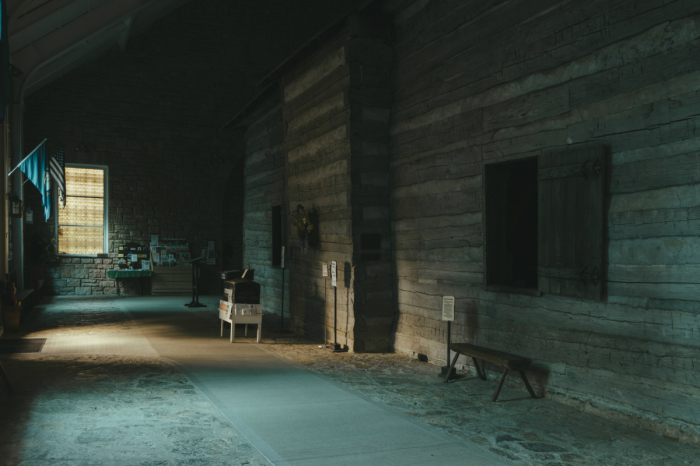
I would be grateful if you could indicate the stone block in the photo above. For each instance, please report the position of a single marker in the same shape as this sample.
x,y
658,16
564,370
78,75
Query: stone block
x,y
83,290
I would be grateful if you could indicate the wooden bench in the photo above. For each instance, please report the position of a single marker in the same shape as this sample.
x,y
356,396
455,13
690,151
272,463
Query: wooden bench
x,y
499,358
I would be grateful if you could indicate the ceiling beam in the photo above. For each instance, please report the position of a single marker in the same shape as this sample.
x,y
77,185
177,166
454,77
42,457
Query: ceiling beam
x,y
124,36
82,28
98,30
72,59
46,19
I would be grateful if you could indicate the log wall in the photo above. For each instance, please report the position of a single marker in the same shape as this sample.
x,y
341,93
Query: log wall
x,y
370,56
264,187
317,147
477,82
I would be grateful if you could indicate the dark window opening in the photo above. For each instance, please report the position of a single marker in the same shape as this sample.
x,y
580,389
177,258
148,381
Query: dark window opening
x,y
371,245
277,236
511,218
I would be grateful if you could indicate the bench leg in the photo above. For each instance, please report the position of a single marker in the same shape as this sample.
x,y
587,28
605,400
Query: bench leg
x,y
481,374
246,330
500,384
6,380
222,327
259,331
452,366
233,330
527,384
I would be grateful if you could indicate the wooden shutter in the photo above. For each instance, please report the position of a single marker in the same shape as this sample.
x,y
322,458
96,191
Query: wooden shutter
x,y
571,222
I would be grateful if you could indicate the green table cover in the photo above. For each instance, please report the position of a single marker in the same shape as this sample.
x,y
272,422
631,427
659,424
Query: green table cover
x,y
128,273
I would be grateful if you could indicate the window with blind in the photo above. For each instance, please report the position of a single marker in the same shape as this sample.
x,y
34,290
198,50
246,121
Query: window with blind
x,y
81,225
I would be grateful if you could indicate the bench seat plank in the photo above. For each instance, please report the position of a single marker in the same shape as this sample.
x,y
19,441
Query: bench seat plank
x,y
499,358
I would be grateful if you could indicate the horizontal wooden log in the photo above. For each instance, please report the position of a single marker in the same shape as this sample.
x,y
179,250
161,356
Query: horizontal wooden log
x,y
295,88
684,273
656,173
451,203
655,251
528,108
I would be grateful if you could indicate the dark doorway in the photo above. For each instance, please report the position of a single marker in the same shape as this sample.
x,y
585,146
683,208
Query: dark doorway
x,y
511,224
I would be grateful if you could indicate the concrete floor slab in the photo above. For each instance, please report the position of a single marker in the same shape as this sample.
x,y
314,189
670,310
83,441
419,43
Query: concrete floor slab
x,y
454,455
321,430
294,414
281,402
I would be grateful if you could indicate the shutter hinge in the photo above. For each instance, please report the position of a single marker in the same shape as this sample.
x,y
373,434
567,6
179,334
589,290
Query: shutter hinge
x,y
594,168
593,277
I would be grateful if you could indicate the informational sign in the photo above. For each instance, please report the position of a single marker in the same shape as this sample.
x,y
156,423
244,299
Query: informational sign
x,y
282,260
325,269
448,308
334,273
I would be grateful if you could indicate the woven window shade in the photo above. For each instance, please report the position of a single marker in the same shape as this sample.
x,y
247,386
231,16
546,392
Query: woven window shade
x,y
84,209
80,240
87,182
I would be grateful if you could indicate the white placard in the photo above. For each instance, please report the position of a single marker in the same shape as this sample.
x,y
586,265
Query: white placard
x,y
334,273
282,259
154,240
448,308
325,269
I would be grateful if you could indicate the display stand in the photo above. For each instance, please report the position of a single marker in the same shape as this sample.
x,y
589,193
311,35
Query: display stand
x,y
195,280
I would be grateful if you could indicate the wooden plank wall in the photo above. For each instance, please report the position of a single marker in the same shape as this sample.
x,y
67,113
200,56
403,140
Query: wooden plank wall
x,y
370,58
317,147
479,81
234,195
264,187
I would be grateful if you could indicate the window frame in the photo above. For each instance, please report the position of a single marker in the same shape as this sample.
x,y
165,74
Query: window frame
x,y
587,171
105,220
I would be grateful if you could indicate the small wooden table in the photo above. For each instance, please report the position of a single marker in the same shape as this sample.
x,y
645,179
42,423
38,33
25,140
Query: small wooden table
x,y
506,360
140,274
233,320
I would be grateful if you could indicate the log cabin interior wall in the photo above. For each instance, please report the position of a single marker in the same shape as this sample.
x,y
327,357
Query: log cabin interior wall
x,y
317,150
484,82
264,175
475,84
390,137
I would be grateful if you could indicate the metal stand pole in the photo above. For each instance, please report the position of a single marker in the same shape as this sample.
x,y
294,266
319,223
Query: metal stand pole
x,y
195,288
282,307
447,369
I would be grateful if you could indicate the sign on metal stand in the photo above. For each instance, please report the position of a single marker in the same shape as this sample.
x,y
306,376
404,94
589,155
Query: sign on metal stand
x,y
282,310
